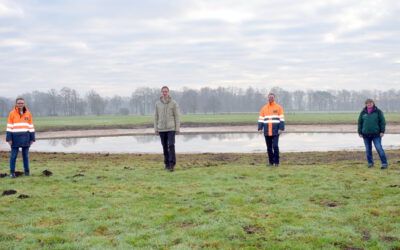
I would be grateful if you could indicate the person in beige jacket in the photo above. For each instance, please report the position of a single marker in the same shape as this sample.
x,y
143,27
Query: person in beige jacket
x,y
166,125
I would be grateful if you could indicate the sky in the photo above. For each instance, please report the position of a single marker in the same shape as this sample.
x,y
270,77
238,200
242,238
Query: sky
x,y
116,46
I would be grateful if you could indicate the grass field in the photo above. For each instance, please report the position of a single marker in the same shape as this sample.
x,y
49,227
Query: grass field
x,y
214,201
111,121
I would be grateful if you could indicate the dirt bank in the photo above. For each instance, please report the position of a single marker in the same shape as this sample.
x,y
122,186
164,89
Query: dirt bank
x,y
319,128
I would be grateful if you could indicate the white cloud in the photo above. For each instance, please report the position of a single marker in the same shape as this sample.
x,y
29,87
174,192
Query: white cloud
x,y
15,43
7,10
293,44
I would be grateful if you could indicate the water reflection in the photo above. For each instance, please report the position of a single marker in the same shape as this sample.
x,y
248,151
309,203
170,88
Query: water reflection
x,y
65,142
215,143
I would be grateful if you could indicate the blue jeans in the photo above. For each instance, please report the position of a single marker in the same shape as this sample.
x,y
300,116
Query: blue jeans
x,y
378,146
13,158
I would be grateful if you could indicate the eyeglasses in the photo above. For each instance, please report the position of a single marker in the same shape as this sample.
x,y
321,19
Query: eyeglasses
x,y
19,103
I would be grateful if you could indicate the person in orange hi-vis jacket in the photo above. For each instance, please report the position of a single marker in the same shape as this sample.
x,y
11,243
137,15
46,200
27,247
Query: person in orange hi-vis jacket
x,y
272,121
20,134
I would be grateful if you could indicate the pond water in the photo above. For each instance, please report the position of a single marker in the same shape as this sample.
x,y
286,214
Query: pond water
x,y
213,143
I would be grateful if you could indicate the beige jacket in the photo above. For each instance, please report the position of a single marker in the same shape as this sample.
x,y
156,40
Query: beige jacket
x,y
167,116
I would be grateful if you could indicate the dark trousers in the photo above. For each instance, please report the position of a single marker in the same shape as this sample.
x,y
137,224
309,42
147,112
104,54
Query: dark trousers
x,y
25,157
273,148
168,144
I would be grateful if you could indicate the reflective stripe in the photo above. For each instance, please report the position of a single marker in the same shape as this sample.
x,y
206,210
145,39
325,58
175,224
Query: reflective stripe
x,y
270,116
20,130
281,116
9,130
282,120
10,125
272,121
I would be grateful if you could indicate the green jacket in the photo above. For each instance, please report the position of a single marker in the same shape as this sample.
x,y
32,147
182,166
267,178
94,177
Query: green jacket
x,y
371,124
167,116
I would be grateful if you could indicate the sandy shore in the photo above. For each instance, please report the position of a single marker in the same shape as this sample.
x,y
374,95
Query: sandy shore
x,y
321,128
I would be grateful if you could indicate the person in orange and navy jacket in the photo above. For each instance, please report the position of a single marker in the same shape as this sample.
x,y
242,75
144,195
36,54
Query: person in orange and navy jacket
x,y
20,134
272,121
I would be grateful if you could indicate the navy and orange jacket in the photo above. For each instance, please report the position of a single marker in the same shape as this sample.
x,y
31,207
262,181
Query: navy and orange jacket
x,y
271,119
20,128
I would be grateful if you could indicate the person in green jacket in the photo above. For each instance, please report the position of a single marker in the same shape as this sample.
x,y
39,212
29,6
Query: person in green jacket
x,y
166,125
371,127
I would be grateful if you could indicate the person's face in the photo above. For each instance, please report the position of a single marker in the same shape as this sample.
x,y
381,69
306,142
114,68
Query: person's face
x,y
271,98
369,104
165,93
20,104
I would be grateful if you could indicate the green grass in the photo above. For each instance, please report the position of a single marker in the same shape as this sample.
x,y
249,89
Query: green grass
x,y
314,200
128,121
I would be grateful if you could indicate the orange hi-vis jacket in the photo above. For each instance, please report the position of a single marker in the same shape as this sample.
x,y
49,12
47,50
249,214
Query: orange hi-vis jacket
x,y
271,119
20,128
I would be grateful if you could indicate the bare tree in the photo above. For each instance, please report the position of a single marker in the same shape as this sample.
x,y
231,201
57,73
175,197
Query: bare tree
x,y
96,103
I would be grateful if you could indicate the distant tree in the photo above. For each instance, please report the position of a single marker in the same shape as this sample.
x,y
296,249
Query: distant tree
x,y
96,103
188,101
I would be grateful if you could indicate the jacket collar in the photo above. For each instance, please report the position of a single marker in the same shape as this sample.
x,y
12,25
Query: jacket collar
x,y
24,110
165,101
373,109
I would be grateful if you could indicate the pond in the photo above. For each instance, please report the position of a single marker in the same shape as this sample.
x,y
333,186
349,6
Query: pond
x,y
212,143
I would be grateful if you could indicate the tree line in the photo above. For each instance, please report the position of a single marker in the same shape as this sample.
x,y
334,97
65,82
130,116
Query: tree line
x,y
68,102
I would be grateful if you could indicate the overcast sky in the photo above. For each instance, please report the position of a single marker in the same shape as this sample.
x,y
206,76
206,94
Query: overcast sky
x,y
116,46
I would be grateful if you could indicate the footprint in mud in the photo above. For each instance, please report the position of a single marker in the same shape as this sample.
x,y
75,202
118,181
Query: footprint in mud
x,y
9,192
47,172
23,196
3,175
393,186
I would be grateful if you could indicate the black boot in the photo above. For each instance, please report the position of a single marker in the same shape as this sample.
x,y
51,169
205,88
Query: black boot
x,y
27,173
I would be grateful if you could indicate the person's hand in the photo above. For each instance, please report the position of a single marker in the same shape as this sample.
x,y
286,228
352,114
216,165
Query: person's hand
x,y
10,142
31,142
360,135
260,132
382,134
157,133
178,132
280,131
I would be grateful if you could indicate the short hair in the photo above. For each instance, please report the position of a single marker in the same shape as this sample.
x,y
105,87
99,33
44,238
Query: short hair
x,y
19,99
369,100
164,87
271,94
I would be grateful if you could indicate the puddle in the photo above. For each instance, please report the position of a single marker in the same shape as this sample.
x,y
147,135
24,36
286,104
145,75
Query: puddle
x,y
210,143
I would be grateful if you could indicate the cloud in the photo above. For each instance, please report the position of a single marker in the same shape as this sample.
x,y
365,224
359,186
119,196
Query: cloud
x,y
129,44
8,10
15,43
